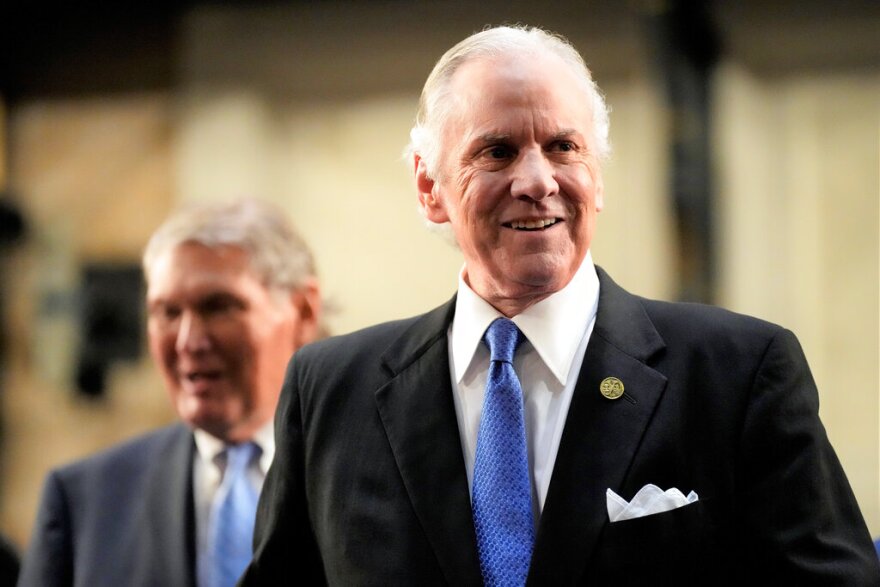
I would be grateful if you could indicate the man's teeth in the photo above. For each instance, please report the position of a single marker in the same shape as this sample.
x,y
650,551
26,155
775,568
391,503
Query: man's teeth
x,y
533,224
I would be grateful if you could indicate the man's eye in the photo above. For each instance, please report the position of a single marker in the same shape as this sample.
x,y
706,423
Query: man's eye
x,y
565,146
220,305
165,313
499,152
216,306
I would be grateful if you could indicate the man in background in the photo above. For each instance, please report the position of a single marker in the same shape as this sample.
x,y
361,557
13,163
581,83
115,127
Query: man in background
x,y
231,295
545,425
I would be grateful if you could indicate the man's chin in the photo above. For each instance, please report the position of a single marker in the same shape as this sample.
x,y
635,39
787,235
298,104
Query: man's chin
x,y
203,388
217,428
210,416
542,277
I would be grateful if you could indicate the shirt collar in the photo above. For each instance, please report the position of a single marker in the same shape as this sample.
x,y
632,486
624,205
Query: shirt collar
x,y
554,326
208,446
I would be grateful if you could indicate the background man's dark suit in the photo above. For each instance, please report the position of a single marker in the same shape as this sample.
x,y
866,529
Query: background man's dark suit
x,y
369,468
231,295
121,517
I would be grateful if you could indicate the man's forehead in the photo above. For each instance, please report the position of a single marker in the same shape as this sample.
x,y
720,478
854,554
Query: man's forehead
x,y
497,114
191,264
497,81
190,254
514,65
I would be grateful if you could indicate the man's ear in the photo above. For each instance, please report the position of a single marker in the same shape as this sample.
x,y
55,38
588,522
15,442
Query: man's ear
x,y
428,189
307,303
599,197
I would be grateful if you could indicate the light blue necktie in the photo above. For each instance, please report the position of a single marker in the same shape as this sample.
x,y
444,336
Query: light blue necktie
x,y
231,533
502,498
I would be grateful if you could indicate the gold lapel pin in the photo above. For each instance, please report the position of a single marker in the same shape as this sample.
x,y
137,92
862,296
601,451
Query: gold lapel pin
x,y
611,387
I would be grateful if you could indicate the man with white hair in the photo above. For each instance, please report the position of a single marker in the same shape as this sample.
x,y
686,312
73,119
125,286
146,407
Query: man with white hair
x,y
546,426
231,295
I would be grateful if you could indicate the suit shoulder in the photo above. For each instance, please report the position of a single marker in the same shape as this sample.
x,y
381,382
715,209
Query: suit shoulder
x,y
127,457
679,325
704,320
364,359
701,333
370,338
367,345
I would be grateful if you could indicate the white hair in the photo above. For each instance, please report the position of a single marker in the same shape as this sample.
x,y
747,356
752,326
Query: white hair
x,y
278,256
435,104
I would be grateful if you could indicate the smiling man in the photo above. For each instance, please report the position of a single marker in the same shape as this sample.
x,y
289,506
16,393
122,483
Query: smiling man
x,y
544,425
231,295
518,178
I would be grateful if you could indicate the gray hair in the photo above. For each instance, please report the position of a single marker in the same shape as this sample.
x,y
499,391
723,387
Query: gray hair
x,y
435,102
278,255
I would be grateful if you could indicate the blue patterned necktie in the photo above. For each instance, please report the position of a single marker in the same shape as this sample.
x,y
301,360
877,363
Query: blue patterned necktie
x,y
231,532
502,498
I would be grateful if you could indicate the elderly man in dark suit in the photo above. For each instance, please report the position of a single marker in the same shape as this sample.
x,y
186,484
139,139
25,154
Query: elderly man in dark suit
x,y
545,426
231,295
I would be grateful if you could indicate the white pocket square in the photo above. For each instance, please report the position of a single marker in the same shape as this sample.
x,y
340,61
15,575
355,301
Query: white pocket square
x,y
650,499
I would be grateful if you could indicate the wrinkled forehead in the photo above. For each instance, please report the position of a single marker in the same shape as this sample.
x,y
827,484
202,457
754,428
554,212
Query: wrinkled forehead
x,y
189,258
490,88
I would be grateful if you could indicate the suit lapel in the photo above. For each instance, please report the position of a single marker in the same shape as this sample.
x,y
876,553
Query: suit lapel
x,y
418,413
169,523
601,436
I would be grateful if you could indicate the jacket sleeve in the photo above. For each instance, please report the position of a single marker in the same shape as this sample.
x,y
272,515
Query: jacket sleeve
x,y
801,523
48,561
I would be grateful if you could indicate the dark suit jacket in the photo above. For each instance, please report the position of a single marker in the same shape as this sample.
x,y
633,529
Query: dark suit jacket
x,y
123,517
368,486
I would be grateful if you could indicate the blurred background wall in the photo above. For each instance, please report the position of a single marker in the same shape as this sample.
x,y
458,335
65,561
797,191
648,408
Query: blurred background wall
x,y
746,173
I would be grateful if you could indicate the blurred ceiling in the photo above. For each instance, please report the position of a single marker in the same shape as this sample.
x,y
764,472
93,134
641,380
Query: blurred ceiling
x,y
83,50
76,49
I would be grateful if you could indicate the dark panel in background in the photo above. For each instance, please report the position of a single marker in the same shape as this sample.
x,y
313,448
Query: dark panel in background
x,y
81,50
111,322
685,48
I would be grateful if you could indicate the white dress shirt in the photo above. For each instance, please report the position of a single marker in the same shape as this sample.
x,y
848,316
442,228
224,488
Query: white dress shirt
x,y
558,329
208,467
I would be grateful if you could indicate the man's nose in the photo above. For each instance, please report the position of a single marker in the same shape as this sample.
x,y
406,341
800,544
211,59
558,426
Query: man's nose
x,y
533,176
192,334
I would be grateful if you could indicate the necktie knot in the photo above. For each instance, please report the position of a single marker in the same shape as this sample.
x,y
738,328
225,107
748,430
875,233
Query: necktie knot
x,y
502,338
238,457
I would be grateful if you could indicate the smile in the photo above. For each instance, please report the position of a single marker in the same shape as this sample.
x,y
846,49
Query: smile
x,y
540,224
195,376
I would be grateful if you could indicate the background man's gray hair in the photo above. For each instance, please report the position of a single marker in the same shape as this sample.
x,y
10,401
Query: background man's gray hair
x,y
435,102
278,255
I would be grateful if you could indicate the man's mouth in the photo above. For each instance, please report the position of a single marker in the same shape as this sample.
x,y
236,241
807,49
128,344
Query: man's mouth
x,y
197,376
531,225
200,383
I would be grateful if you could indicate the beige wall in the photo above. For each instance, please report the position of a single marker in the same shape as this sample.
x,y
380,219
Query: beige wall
x,y
93,177
798,169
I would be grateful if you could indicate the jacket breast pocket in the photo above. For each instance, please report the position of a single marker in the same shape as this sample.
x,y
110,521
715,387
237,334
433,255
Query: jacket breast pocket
x,y
679,544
